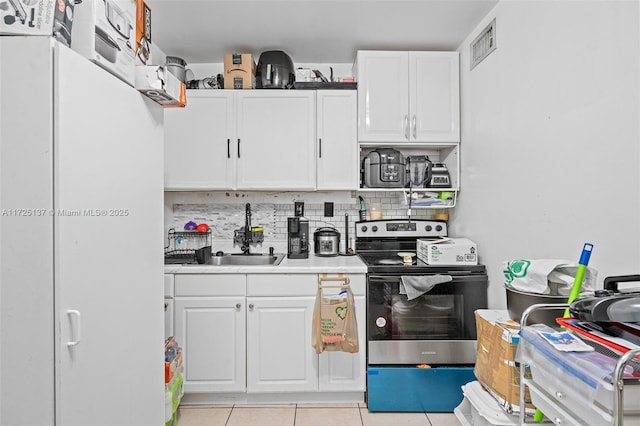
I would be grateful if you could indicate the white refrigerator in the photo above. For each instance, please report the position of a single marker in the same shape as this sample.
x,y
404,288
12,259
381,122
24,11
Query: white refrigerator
x,y
81,242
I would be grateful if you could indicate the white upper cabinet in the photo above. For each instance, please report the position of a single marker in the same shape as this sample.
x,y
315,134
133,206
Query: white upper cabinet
x,y
408,97
434,97
337,134
275,139
200,142
241,139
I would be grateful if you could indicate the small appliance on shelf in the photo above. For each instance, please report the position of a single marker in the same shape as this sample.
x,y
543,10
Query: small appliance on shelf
x,y
440,177
383,168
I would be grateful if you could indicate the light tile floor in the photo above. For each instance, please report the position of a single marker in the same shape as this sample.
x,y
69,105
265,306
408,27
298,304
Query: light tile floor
x,y
305,415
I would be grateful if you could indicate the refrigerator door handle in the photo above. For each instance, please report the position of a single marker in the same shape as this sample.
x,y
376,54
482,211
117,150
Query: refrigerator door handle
x,y
74,314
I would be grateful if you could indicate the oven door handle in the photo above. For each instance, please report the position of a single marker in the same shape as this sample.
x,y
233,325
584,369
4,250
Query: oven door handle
x,y
379,278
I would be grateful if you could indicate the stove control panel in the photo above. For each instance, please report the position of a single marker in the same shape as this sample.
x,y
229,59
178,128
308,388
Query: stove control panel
x,y
416,228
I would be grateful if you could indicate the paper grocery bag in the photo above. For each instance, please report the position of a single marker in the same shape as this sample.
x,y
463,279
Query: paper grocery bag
x,y
334,321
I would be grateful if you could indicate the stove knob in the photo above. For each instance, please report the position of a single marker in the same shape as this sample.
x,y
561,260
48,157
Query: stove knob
x,y
438,228
428,228
374,228
364,229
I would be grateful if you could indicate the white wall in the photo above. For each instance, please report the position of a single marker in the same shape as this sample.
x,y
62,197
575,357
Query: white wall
x,y
550,137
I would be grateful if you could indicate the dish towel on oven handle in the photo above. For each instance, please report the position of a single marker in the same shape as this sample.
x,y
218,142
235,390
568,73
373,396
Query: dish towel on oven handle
x,y
417,285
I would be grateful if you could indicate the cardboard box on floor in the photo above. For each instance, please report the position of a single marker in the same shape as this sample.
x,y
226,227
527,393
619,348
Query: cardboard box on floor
x,y
495,367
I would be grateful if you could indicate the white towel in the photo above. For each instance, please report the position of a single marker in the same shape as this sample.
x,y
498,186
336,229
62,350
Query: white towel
x,y
417,285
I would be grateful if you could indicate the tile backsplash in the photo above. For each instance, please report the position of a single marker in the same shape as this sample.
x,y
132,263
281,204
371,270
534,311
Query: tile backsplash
x,y
225,211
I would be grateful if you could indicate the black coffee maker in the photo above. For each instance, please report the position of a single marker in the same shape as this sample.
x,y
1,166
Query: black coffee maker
x,y
297,238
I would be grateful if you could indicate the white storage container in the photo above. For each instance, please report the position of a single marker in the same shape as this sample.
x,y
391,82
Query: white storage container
x,y
579,381
479,408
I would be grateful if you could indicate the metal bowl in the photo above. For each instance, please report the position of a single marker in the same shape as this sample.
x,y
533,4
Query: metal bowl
x,y
518,301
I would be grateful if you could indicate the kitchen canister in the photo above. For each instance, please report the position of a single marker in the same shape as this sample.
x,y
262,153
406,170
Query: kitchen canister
x,y
177,67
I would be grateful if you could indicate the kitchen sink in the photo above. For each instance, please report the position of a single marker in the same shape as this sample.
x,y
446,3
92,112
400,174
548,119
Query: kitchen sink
x,y
246,260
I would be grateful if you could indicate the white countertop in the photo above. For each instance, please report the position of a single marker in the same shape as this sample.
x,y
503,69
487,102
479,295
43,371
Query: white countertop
x,y
312,265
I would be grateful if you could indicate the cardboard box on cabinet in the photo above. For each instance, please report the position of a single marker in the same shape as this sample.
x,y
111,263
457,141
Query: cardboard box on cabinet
x,y
143,33
239,71
161,86
495,367
104,31
27,17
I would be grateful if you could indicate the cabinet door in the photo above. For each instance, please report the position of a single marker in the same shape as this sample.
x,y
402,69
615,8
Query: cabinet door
x,y
434,97
198,142
341,371
337,161
211,331
280,356
383,96
275,141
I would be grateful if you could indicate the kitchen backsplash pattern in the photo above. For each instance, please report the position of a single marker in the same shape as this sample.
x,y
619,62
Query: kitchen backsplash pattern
x,y
226,215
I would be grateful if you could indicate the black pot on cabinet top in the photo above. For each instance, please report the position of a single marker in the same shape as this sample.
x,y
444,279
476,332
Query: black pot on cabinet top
x,y
275,70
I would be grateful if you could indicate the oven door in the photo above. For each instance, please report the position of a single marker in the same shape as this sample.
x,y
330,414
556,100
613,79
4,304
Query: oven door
x,y
435,328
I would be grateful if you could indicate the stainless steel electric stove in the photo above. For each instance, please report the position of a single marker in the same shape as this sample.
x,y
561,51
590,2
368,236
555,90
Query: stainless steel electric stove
x,y
436,329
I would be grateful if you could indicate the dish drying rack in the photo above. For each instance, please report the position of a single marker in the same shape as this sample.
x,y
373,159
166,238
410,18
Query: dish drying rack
x,y
183,244
428,200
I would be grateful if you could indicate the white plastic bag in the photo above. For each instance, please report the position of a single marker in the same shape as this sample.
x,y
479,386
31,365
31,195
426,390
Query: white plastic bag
x,y
534,275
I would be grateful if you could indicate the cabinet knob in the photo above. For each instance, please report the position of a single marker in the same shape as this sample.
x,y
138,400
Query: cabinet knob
x,y
238,306
251,306
560,395
558,421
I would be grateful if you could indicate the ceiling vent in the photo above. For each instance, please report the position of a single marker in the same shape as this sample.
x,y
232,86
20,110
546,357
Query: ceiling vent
x,y
484,44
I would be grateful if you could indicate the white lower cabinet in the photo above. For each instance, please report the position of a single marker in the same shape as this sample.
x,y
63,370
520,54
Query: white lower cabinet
x,y
210,324
289,355
253,333
280,357
341,371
